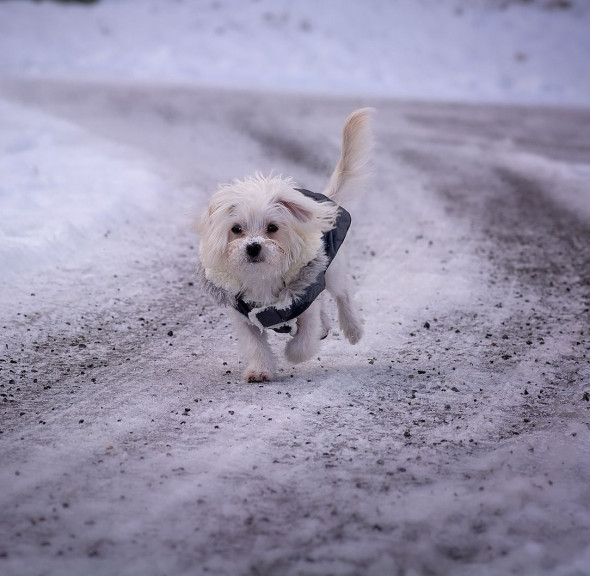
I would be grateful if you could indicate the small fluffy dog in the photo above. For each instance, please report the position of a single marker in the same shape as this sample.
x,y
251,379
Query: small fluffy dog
x,y
268,249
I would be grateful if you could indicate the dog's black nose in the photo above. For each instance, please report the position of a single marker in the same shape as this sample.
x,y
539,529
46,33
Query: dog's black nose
x,y
253,249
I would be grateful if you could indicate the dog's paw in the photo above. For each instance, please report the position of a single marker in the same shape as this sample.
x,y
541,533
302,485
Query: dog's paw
x,y
300,349
353,332
255,374
326,325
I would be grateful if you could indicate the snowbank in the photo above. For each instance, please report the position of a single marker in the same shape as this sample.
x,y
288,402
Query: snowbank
x,y
61,188
426,49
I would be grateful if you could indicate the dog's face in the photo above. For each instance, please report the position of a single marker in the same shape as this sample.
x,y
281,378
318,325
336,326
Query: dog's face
x,y
259,232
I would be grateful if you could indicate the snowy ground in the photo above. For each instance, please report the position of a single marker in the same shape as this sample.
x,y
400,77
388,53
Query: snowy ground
x,y
454,439
533,51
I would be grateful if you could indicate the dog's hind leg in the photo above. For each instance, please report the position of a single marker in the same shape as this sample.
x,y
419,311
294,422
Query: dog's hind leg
x,y
256,349
349,317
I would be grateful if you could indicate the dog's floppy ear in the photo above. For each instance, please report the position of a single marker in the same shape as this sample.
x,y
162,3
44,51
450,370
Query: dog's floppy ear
x,y
300,212
311,215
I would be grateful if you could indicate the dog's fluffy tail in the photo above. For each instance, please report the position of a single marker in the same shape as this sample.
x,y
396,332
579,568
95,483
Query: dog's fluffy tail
x,y
352,170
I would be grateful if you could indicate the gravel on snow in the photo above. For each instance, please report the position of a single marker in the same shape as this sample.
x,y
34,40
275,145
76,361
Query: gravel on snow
x,y
452,440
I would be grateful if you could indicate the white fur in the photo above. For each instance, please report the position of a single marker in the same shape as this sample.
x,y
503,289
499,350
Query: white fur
x,y
242,253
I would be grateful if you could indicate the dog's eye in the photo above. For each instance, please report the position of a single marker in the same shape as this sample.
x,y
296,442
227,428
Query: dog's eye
x,y
236,229
272,228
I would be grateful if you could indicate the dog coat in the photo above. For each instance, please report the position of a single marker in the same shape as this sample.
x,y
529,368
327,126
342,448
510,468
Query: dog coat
x,y
283,320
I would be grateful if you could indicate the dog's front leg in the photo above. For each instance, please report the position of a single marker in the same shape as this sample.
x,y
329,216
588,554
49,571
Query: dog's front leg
x,y
256,350
309,333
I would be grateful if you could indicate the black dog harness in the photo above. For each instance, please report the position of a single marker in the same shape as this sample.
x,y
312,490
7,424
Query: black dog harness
x,y
278,320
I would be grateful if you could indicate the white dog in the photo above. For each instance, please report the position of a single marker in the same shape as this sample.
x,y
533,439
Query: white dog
x,y
268,249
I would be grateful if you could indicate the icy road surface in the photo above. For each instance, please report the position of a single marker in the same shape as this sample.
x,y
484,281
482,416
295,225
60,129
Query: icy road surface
x,y
454,439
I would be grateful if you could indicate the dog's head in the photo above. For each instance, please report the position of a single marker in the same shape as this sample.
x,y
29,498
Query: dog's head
x,y
258,232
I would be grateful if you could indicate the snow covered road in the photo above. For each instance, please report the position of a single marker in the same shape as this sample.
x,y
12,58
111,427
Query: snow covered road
x,y
454,439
